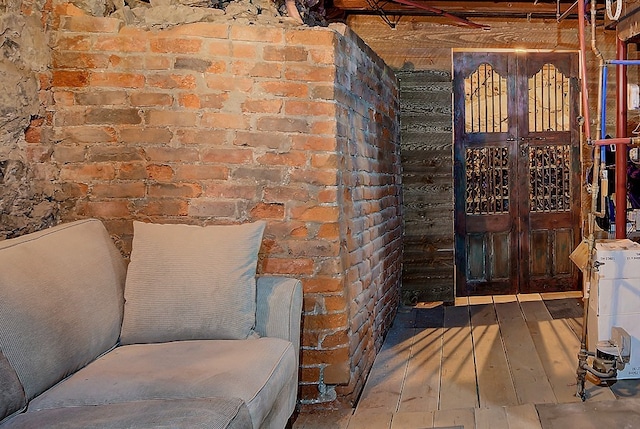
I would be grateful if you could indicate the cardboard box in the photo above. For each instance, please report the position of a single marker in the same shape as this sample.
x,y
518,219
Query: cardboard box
x,y
617,259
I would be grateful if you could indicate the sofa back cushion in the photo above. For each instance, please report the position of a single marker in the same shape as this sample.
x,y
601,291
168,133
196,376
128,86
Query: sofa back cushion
x,y
61,301
188,282
12,397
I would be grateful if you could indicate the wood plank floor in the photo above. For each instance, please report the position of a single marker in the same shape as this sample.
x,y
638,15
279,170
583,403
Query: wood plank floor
x,y
485,362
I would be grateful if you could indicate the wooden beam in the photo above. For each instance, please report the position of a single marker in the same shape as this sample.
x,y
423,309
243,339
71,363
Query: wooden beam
x,y
476,8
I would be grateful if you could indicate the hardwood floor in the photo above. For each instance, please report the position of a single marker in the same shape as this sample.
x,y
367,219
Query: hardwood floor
x,y
484,363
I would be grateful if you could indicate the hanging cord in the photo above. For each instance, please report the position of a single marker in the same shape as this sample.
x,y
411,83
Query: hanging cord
x,y
610,14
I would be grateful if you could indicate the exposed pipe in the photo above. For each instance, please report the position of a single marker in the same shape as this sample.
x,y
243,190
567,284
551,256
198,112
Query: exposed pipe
x,y
566,12
621,131
441,12
583,71
600,127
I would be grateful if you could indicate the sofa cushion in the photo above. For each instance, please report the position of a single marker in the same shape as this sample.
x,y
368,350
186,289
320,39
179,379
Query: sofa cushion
x,y
188,282
255,370
60,301
210,413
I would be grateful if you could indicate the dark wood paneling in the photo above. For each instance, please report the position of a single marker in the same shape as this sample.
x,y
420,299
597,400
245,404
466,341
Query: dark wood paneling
x,y
427,162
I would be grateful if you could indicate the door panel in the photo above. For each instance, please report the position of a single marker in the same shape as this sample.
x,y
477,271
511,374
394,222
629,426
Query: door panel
x,y
516,191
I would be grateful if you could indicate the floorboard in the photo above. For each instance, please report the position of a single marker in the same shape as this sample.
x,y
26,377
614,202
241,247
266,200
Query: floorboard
x,y
458,388
527,372
495,388
486,362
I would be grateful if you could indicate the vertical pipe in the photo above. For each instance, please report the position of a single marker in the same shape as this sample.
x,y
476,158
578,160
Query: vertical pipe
x,y
621,150
583,70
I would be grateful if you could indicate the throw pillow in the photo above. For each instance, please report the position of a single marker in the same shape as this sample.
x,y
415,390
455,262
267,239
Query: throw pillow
x,y
187,282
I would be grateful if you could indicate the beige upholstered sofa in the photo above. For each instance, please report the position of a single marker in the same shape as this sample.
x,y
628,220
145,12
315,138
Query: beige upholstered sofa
x,y
182,338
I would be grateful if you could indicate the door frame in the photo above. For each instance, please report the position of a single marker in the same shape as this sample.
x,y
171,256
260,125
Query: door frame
x,y
519,278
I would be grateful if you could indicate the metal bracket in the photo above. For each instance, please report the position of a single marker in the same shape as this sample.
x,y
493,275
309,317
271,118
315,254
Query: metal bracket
x,y
378,6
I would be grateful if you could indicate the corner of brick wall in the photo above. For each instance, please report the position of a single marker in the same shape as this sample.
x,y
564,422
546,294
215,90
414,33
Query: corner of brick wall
x,y
221,123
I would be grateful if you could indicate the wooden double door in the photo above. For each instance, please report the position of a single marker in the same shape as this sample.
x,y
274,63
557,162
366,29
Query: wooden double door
x,y
516,172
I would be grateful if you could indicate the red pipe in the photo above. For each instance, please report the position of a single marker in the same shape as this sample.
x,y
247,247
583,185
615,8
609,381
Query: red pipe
x,y
621,151
583,70
621,141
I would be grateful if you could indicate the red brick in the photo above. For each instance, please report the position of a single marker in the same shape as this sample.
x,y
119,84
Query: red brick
x,y
66,42
311,36
324,160
88,134
268,211
323,91
315,177
204,207
285,53
335,303
292,159
105,209
162,207
308,73
256,34
314,108
201,172
200,29
101,98
185,190
66,154
190,101
175,45
145,135
114,153
275,265
70,78
283,124
202,136
335,339
228,156
90,24
327,195
262,106
156,62
230,190
129,40
322,285
223,120
286,193
317,357
161,173
322,56
118,80
87,172
79,60
227,83
151,99
219,48
119,190
324,127
268,140
285,89
325,322
316,143
308,375
316,213
337,373
329,231
171,154
132,171
100,115
243,50
253,69
169,117
172,81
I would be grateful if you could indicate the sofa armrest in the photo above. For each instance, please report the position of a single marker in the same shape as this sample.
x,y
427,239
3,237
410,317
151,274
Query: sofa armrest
x,y
279,308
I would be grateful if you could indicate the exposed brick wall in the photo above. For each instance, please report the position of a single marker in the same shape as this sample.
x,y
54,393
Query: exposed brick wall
x,y
220,123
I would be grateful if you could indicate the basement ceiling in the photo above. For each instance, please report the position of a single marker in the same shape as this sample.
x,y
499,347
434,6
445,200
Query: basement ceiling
x,y
461,12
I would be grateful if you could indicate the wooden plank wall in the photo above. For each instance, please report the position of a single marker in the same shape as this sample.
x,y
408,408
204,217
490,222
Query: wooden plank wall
x,y
425,44
427,162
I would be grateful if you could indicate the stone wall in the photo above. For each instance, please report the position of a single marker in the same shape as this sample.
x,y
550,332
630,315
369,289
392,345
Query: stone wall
x,y
24,206
219,122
